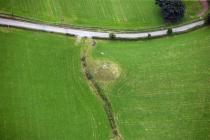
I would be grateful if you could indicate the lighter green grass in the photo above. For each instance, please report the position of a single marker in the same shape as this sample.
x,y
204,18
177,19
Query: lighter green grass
x,y
112,14
163,92
43,93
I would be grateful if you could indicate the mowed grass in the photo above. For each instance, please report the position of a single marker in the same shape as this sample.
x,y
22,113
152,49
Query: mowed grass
x,y
163,92
43,93
112,14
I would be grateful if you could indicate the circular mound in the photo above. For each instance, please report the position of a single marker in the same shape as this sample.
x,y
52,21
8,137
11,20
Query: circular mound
x,y
106,71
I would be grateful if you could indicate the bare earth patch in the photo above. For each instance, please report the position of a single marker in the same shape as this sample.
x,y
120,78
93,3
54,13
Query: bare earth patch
x,y
106,70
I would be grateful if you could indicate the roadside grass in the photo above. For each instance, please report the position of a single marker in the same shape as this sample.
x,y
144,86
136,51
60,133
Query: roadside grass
x,y
163,91
43,92
111,14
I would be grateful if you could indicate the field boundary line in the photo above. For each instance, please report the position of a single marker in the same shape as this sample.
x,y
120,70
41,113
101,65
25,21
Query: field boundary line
x,y
100,93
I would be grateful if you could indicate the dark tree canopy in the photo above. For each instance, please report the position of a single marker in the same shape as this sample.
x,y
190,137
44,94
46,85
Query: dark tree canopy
x,y
208,19
112,36
172,10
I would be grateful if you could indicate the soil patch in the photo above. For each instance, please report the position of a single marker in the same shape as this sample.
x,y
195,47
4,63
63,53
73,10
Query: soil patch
x,y
106,70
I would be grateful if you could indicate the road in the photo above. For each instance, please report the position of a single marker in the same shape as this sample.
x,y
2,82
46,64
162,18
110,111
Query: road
x,y
94,34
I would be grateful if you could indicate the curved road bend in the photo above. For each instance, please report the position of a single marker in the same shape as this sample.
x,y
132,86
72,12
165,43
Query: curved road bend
x,y
94,34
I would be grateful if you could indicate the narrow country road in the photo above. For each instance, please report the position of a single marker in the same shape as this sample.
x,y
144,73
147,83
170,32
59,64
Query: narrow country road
x,y
95,34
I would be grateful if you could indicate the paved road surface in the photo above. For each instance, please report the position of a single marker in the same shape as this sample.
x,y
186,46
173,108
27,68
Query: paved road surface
x,y
94,34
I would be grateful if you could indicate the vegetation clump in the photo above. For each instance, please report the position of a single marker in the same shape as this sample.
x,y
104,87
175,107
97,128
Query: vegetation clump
x,y
112,36
170,31
149,36
208,19
172,10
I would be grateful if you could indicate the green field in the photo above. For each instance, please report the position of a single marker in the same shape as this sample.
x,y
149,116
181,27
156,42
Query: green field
x,y
112,14
163,90
43,93
156,89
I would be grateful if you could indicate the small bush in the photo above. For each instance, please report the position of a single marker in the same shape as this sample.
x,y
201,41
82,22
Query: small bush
x,y
83,58
84,64
208,19
89,75
169,32
115,132
112,36
93,43
149,36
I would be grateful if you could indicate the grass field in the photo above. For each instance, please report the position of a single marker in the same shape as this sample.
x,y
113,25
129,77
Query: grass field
x,y
43,94
112,14
159,88
163,90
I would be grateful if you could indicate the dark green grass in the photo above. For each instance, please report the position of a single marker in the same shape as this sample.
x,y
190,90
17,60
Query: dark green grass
x,y
163,92
43,93
112,14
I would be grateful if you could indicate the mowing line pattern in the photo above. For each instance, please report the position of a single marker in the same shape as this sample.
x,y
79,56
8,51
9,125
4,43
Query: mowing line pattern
x,y
43,94
109,14
163,90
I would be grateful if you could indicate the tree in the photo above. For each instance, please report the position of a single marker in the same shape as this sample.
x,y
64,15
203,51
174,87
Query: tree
x,y
169,31
172,10
208,19
149,36
112,36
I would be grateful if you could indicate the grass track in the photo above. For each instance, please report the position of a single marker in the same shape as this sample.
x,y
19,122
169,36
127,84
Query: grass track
x,y
43,94
113,14
163,91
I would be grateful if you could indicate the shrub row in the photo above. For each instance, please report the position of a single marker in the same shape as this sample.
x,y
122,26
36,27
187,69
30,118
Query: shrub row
x,y
107,104
112,36
107,107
